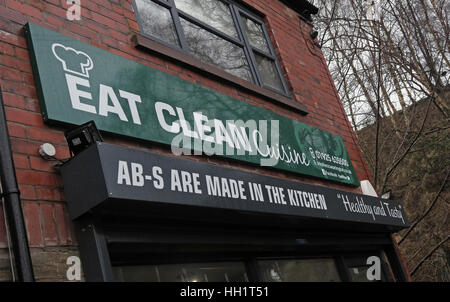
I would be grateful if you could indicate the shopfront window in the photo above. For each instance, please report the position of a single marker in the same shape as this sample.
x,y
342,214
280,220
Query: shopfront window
x,y
191,272
298,270
359,273
217,32
279,270
172,251
353,269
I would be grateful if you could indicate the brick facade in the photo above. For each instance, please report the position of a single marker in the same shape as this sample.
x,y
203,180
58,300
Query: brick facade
x,y
110,24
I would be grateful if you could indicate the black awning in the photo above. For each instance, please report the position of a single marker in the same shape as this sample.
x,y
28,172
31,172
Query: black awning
x,y
123,181
302,7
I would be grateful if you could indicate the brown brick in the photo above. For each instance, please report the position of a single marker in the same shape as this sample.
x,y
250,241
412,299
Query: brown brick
x,y
19,89
39,164
49,194
33,225
83,31
110,42
17,130
112,15
11,38
18,64
24,8
63,224
28,177
103,20
55,20
21,53
89,5
123,28
55,2
133,25
10,73
46,135
21,161
48,224
24,117
32,105
24,146
105,4
98,28
6,49
119,36
27,192
10,14
13,100
56,10
28,79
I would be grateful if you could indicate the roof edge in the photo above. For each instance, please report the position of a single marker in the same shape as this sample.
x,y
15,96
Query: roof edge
x,y
302,7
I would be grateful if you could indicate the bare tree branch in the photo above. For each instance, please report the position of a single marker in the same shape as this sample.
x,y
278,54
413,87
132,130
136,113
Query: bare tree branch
x,y
428,255
433,202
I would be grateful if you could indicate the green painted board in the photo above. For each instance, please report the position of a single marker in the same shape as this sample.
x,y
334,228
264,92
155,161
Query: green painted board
x,y
78,82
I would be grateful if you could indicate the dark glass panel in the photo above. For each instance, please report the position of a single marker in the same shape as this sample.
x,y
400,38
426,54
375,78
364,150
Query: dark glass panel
x,y
255,34
269,72
157,21
192,272
298,270
213,12
216,51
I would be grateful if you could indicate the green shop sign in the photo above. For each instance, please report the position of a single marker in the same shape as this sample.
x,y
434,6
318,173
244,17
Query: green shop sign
x,y
77,82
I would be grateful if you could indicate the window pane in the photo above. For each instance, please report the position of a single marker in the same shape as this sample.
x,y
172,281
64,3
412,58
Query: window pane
x,y
269,72
214,50
314,270
255,34
157,21
192,272
213,12
359,273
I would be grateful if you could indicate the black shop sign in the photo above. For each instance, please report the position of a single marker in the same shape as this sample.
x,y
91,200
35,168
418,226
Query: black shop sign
x,y
105,173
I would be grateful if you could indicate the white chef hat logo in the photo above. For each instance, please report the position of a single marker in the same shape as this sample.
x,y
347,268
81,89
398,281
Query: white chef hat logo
x,y
73,61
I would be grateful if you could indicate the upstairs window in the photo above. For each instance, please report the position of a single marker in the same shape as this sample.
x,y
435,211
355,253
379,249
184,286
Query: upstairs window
x,y
219,33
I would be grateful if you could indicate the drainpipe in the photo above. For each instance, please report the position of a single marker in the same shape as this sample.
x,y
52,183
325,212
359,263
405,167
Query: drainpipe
x,y
12,204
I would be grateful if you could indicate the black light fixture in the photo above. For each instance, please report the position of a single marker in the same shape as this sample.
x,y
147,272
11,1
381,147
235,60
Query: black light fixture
x,y
81,137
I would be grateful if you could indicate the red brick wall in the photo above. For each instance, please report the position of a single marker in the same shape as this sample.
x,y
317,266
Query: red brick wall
x,y
109,24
